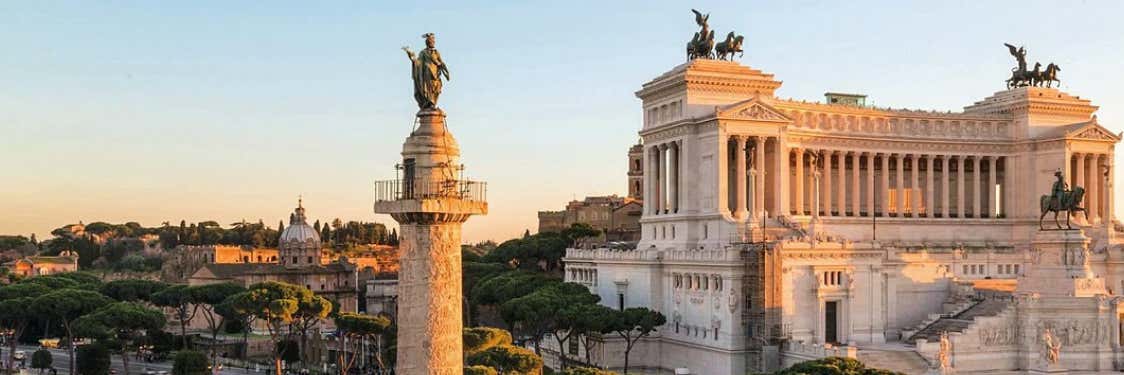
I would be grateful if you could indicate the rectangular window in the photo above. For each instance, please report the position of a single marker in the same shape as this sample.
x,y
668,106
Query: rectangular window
x,y
1016,269
573,346
965,269
620,301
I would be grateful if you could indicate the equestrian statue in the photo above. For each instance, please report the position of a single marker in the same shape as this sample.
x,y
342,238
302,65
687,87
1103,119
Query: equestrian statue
x,y
1021,77
1062,199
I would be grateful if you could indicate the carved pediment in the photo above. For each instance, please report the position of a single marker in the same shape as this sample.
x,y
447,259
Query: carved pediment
x,y
1095,132
753,109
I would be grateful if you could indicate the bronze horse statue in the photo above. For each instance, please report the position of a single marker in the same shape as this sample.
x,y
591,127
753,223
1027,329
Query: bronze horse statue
x,y
1020,78
1068,202
1047,76
726,49
702,43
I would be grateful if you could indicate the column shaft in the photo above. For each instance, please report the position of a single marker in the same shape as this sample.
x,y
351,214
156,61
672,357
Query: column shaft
x,y
976,182
900,186
841,190
944,186
870,184
884,192
856,189
673,176
1093,192
798,181
739,196
960,186
827,182
915,186
930,203
759,186
990,189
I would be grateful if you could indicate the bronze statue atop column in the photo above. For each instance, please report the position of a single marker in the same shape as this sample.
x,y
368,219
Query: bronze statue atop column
x,y
428,68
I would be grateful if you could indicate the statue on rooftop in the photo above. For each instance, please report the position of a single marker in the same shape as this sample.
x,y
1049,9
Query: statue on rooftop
x,y
427,71
702,44
1021,77
1061,198
726,49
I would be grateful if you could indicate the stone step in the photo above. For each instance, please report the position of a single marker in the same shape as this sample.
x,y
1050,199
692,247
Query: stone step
x,y
961,321
903,361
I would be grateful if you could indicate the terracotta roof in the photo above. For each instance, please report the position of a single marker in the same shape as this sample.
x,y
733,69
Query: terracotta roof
x,y
232,270
54,260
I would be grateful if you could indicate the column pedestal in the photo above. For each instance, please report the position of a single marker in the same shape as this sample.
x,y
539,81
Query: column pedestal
x,y
1060,266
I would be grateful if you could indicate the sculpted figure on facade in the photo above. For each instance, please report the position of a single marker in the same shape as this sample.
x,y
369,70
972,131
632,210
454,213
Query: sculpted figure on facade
x,y
428,68
1051,347
944,354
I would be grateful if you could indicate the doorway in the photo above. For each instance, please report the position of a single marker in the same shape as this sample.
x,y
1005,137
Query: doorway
x,y
830,322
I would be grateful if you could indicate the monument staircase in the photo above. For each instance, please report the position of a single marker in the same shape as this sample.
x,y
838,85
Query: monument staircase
x,y
897,358
961,320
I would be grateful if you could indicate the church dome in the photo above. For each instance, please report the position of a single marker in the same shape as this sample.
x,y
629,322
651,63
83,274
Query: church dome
x,y
299,233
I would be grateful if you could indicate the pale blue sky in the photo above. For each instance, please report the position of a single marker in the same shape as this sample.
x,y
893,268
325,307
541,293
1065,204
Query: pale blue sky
x,y
154,111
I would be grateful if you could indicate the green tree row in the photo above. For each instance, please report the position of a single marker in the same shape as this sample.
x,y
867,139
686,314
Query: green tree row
x,y
517,282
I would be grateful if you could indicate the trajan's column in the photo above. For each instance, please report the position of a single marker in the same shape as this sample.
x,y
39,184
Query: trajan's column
x,y
430,200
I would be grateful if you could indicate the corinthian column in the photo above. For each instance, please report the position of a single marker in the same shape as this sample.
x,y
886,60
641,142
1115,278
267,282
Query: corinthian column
x,y
656,180
990,191
856,189
870,183
944,186
1092,192
664,170
884,198
1079,180
915,185
900,187
960,185
827,182
739,197
759,181
647,181
798,181
930,203
976,181
841,191
673,177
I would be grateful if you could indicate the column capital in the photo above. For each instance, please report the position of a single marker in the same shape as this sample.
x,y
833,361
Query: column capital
x,y
662,146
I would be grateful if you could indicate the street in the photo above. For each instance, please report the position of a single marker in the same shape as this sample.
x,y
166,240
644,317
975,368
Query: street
x,y
136,367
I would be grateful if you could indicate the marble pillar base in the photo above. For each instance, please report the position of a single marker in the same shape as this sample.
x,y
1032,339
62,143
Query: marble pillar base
x,y
1060,266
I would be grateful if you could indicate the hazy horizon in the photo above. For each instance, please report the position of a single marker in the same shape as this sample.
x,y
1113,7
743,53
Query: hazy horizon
x,y
208,110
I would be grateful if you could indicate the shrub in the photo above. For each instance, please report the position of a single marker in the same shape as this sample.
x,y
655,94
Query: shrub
x,y
479,370
508,359
190,362
92,359
478,339
42,359
833,366
587,371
